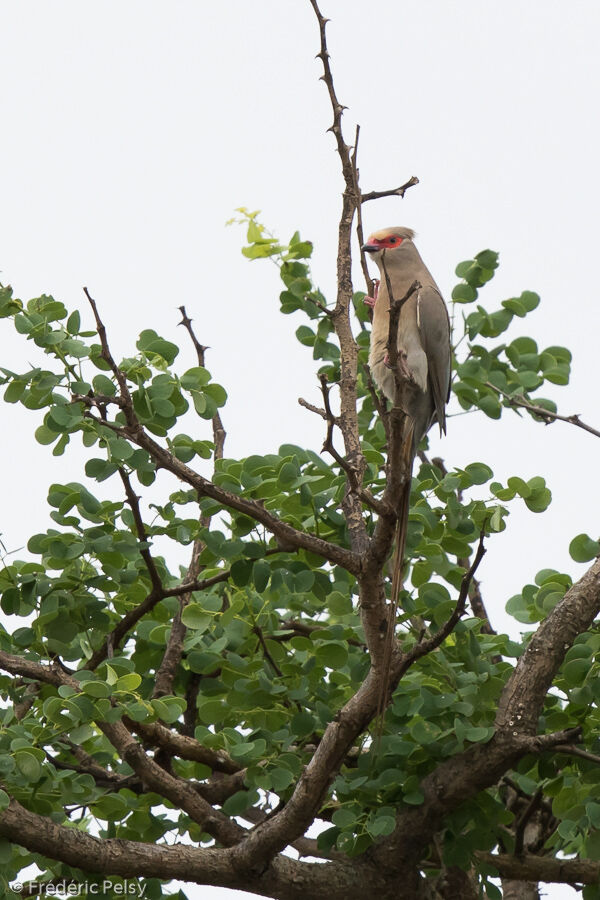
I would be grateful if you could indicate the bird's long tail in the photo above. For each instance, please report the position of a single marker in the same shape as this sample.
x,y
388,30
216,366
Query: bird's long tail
x,y
397,581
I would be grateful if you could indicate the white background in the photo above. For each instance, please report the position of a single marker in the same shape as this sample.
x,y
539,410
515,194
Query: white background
x,y
131,131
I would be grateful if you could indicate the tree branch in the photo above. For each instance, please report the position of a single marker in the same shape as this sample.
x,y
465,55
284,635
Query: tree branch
x,y
393,192
131,618
134,504
348,418
542,868
572,750
328,446
286,878
519,401
287,534
457,779
158,735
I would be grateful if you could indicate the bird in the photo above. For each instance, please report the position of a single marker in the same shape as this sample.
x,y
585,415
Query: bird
x,y
424,367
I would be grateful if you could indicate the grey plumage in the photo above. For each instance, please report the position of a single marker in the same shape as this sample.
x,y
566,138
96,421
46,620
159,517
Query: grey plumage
x,y
423,331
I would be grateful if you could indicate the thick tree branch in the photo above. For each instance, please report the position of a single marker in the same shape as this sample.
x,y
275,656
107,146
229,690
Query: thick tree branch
x,y
543,868
174,789
296,816
482,765
522,699
157,735
285,878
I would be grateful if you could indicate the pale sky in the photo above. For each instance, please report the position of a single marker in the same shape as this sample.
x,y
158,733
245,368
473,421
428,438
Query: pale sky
x,y
131,131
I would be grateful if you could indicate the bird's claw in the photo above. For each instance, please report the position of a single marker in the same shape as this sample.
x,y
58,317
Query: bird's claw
x,y
371,301
401,366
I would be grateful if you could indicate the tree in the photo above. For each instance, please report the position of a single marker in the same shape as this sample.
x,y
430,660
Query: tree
x,y
193,724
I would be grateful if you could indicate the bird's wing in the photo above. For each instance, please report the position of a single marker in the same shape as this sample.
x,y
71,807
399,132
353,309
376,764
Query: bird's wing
x,y
434,330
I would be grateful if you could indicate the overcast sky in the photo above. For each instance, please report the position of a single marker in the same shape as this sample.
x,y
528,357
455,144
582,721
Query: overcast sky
x,y
131,131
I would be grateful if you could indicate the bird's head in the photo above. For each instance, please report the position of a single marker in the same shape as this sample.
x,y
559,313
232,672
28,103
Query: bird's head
x,y
389,239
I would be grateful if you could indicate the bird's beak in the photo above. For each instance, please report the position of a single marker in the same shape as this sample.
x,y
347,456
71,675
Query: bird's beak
x,y
370,248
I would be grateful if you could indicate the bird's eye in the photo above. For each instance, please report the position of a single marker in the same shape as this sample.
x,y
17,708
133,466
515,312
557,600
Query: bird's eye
x,y
392,240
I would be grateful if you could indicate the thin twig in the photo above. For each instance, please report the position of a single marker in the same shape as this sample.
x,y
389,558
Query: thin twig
x,y
316,409
378,404
338,109
187,324
267,653
359,223
393,192
134,504
328,446
519,401
165,675
121,629
426,646
127,403
577,751
324,309
287,535
524,818
294,627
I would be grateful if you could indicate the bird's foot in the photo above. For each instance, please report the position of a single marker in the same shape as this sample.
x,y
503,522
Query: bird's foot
x,y
371,301
401,366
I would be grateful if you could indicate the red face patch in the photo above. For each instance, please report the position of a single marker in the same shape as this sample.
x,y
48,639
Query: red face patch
x,y
387,243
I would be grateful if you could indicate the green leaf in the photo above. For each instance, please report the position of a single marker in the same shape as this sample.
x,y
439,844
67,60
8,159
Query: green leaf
x,y
339,604
464,293
478,473
382,825
96,689
575,671
44,435
261,572
129,682
582,548
487,259
196,617
302,724
195,379
28,764
152,345
332,655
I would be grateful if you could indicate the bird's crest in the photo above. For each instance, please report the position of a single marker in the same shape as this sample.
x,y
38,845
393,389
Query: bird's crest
x,y
386,232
